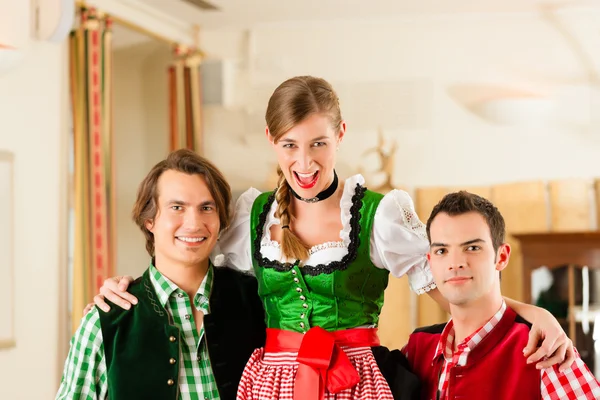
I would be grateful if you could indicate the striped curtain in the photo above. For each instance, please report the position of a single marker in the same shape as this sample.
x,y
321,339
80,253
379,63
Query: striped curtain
x,y
93,181
185,101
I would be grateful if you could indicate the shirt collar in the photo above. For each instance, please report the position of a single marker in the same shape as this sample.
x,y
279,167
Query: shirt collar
x,y
164,287
446,341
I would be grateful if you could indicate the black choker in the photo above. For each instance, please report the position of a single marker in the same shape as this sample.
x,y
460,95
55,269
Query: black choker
x,y
322,195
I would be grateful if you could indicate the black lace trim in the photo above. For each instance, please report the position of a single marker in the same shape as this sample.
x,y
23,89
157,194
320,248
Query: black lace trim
x,y
341,265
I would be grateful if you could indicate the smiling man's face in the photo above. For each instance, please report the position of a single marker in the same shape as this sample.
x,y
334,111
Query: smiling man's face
x,y
186,226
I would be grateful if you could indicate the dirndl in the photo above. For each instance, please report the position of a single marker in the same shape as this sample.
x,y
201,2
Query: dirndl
x,y
272,375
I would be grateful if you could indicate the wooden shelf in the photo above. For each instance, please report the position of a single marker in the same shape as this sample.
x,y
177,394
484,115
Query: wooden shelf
x,y
559,249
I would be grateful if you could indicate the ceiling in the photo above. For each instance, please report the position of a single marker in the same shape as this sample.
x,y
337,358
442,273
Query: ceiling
x,y
124,37
240,14
244,13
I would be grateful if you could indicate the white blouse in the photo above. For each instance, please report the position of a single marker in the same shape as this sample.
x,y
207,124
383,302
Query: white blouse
x,y
398,240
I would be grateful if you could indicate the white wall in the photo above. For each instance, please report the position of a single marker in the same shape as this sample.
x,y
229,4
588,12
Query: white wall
x,y
33,125
141,139
399,75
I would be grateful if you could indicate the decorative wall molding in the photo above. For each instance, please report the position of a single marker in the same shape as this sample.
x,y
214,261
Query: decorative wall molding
x,y
7,290
147,18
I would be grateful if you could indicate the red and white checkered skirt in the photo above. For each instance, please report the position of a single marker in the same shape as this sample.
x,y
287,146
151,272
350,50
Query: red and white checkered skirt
x,y
271,376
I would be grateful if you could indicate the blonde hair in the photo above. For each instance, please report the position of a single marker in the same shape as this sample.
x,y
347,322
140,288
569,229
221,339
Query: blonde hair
x,y
292,102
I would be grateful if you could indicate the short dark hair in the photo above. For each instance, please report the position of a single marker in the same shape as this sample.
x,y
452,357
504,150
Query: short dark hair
x,y
463,202
188,162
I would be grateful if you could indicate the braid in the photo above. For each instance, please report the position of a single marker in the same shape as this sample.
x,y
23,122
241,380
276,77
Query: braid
x,y
291,246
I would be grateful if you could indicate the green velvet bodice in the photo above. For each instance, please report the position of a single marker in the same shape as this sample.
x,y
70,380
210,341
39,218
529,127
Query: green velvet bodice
x,y
342,294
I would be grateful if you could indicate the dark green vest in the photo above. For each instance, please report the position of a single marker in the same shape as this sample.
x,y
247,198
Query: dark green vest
x,y
139,345
339,295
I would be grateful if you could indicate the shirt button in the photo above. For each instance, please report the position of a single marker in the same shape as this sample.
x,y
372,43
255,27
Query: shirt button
x,y
301,324
172,361
296,280
170,382
302,315
180,295
294,272
305,305
299,290
172,339
302,298
187,316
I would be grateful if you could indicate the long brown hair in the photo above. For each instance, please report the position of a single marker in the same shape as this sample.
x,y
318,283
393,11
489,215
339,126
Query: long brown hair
x,y
188,162
292,102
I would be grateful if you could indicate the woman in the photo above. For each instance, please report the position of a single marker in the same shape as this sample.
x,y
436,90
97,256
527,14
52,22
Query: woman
x,y
322,251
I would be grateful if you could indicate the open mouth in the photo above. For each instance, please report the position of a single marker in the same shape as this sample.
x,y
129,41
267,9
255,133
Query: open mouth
x,y
306,181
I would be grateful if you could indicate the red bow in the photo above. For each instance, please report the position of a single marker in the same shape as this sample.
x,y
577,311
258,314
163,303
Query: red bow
x,y
322,362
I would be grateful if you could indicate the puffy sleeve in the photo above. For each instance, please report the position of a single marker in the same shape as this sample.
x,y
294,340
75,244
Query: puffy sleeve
x,y
399,241
233,247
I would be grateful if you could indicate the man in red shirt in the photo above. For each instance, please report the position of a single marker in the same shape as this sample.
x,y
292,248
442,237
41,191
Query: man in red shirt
x,y
478,354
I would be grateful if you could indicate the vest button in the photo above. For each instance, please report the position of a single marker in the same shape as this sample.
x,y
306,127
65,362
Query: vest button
x,y
172,338
170,382
172,361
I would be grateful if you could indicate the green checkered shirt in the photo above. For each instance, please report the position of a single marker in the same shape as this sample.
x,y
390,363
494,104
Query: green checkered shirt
x,y
84,376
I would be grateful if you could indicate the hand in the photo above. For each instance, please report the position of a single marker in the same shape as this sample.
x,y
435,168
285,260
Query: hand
x,y
115,290
556,347
88,308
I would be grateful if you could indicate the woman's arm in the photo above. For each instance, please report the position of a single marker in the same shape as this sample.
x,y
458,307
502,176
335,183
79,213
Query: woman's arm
x,y
556,347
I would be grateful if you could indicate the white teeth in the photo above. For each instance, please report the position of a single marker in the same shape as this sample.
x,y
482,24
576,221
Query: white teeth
x,y
190,240
305,175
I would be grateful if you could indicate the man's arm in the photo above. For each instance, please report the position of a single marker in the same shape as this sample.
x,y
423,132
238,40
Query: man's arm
x,y
84,376
575,383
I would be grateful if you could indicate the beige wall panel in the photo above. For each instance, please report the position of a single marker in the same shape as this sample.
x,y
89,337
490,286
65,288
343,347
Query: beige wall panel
x,y
523,206
426,199
570,205
395,321
511,282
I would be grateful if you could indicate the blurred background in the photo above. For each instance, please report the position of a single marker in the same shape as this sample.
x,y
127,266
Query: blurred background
x,y
500,97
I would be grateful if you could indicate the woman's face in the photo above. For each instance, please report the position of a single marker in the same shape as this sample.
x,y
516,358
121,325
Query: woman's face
x,y
307,154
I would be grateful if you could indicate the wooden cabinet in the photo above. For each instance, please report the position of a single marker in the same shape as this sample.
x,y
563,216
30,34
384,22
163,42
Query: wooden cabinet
x,y
553,250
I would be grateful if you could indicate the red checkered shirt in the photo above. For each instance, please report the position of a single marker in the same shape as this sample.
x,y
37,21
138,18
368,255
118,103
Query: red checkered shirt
x,y
576,383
